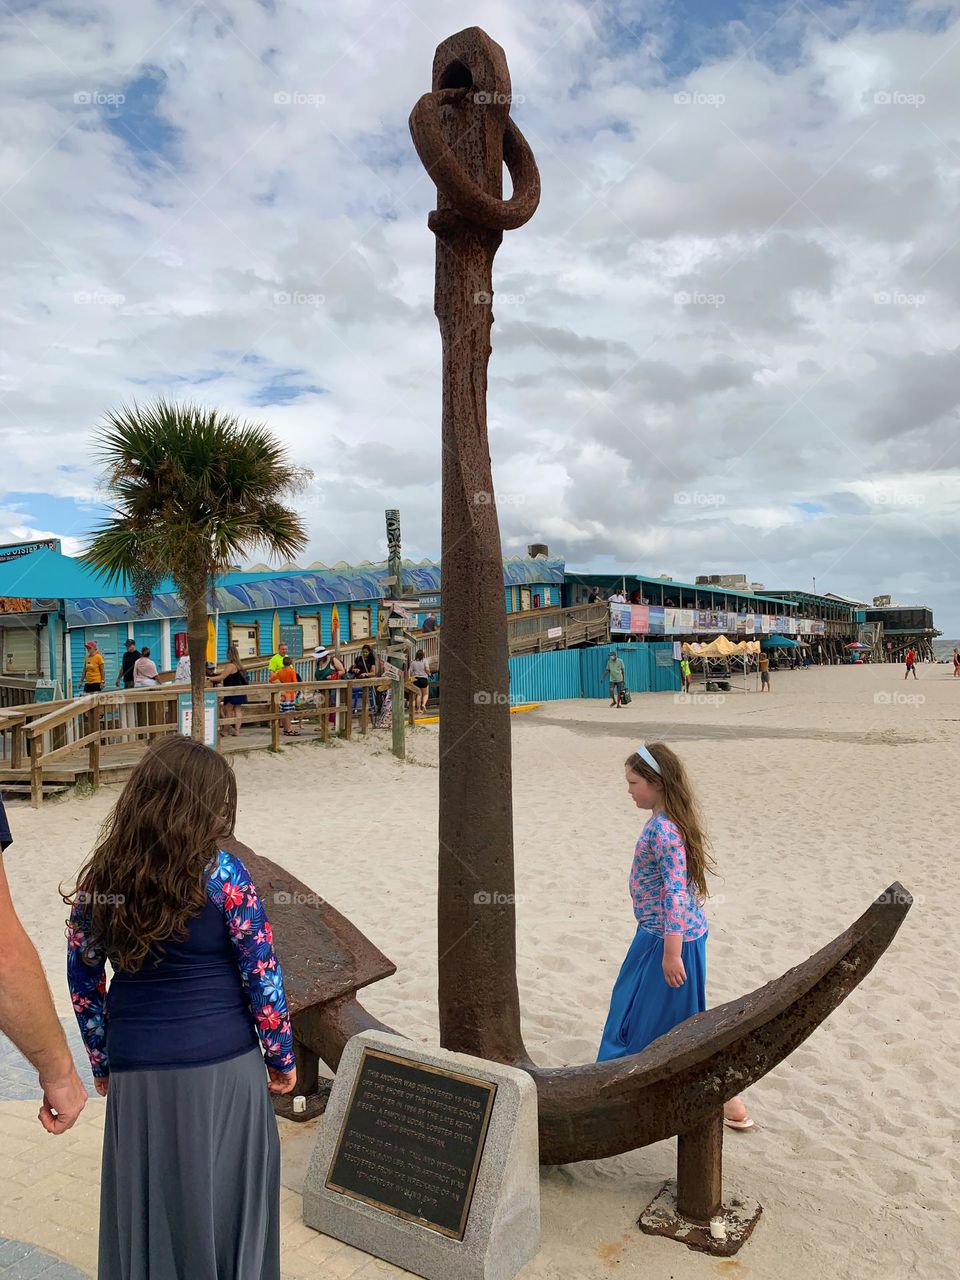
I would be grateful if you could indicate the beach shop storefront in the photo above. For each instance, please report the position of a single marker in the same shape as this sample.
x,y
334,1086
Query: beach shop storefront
x,y
256,610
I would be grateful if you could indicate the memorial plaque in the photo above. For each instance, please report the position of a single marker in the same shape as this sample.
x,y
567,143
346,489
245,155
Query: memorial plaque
x,y
411,1141
428,1159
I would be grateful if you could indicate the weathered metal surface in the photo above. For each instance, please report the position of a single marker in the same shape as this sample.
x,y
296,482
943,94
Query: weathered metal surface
x,y
678,1082
700,1169
605,1108
324,956
463,134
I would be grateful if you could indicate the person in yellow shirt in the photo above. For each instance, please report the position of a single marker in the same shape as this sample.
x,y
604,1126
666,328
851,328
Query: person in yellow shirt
x,y
277,661
93,672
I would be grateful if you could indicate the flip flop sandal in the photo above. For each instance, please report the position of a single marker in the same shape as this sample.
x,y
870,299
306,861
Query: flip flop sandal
x,y
739,1124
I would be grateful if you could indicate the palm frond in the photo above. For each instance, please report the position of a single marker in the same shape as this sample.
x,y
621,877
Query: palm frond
x,y
194,489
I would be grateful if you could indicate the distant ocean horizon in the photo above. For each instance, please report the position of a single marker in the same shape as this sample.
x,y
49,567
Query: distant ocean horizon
x,y
943,648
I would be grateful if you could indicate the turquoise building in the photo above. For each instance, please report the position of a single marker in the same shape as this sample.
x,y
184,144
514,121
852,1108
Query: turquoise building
x,y
51,605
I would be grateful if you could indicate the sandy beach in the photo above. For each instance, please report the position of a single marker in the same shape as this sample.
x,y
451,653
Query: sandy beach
x,y
816,797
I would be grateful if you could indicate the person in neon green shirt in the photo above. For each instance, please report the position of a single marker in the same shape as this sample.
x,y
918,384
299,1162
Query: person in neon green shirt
x,y
276,662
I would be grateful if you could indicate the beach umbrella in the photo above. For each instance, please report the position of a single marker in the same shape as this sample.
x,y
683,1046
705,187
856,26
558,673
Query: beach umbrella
x,y
856,645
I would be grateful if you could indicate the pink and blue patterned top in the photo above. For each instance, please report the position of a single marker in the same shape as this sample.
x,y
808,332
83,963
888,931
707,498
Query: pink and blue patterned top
x,y
663,900
206,1000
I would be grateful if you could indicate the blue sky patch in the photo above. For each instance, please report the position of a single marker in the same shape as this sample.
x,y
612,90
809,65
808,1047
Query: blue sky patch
x,y
138,121
282,389
66,517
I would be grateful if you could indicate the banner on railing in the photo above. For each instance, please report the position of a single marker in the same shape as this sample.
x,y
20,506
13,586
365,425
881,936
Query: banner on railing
x,y
620,618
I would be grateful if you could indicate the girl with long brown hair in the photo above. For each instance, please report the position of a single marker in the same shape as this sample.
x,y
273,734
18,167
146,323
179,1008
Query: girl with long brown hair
x,y
190,1182
662,981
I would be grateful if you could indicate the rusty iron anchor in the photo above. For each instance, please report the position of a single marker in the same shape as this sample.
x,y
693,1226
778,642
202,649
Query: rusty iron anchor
x,y
463,133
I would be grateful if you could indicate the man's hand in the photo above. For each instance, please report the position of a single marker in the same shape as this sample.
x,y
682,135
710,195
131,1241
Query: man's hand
x,y
63,1100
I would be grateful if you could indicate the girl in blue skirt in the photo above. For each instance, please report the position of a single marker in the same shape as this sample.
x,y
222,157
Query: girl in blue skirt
x,y
662,981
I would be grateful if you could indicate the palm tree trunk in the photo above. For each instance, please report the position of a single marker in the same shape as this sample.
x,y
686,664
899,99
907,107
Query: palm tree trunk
x,y
197,649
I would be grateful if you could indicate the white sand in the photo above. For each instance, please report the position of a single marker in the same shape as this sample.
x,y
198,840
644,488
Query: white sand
x,y
816,796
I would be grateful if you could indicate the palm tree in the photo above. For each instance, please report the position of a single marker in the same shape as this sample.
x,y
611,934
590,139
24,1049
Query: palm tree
x,y
194,490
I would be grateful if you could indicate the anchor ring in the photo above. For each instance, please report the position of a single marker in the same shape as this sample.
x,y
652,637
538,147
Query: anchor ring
x,y
466,196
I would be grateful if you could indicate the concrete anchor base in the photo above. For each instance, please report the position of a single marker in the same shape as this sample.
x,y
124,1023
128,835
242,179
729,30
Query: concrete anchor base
x,y
738,1215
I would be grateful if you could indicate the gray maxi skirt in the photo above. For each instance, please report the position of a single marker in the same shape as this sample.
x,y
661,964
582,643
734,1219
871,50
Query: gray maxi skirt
x,y
190,1188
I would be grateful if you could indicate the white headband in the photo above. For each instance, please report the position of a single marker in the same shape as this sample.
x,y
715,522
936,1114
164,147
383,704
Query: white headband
x,y
647,758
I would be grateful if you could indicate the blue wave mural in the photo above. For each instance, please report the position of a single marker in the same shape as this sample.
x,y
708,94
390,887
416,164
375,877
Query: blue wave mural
x,y
237,592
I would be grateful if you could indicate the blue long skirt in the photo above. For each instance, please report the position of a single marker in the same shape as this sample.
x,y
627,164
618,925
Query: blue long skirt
x,y
643,1007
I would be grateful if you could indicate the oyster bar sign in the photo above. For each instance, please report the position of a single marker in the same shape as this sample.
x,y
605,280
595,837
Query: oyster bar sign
x,y
14,550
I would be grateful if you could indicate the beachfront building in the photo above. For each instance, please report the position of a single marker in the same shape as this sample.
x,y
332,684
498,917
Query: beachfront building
x,y
902,627
656,607
54,605
842,621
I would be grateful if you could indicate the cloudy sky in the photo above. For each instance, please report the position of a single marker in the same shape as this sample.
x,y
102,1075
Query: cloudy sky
x,y
726,342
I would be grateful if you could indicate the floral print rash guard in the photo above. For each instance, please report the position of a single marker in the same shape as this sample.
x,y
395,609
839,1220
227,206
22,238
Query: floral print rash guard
x,y
199,1003
663,900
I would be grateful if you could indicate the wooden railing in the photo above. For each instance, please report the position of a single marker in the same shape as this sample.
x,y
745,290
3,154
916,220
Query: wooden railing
x,y
95,720
14,722
581,624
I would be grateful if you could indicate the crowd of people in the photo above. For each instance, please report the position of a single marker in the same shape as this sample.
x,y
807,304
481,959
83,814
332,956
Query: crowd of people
x,y
139,671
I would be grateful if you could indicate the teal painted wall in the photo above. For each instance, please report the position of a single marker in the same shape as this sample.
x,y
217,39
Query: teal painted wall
x,y
575,673
544,677
148,633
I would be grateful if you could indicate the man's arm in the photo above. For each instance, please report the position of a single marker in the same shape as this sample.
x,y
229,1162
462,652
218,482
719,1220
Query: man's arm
x,y
29,1019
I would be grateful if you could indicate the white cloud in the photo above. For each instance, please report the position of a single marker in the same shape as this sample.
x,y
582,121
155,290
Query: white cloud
x,y
287,243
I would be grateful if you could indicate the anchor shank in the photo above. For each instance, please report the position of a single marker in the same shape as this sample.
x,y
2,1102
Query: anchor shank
x,y
699,1169
478,997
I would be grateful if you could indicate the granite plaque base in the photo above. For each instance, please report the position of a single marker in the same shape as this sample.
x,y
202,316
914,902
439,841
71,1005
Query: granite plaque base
x,y
429,1160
